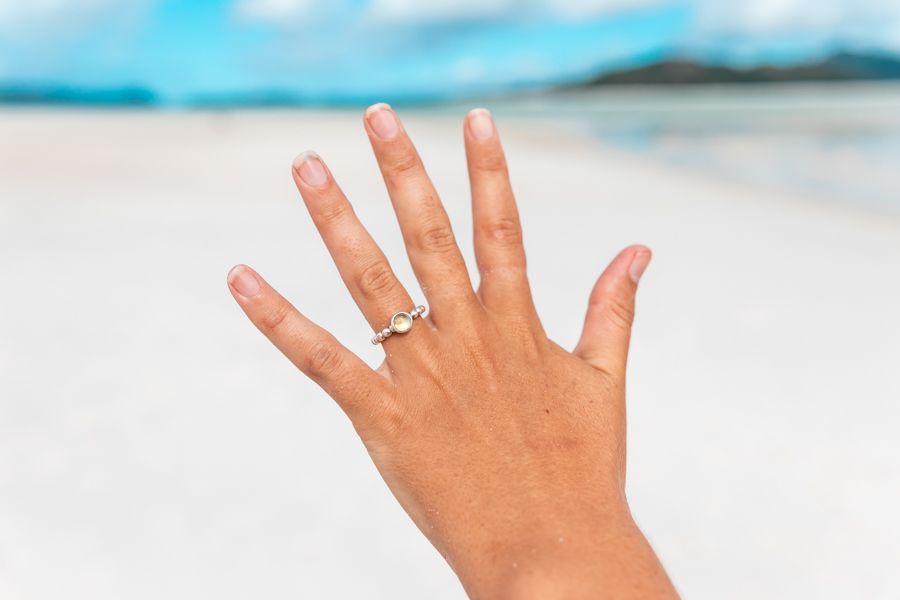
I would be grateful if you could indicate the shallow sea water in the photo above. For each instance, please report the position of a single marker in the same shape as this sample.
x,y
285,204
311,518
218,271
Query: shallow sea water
x,y
830,142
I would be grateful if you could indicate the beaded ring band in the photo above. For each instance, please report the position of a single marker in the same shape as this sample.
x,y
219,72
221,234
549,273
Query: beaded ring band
x,y
400,323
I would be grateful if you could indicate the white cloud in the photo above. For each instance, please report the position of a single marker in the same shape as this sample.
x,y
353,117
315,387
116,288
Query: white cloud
x,y
16,14
45,25
761,17
37,37
744,29
437,10
431,11
592,8
740,29
753,18
274,10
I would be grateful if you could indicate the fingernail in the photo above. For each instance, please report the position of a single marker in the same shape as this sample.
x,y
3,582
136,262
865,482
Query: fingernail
x,y
311,169
481,125
639,265
243,281
383,121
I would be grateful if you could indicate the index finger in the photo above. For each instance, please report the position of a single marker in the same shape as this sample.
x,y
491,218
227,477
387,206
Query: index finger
x,y
342,374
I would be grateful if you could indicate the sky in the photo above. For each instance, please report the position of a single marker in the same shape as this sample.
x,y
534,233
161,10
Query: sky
x,y
363,50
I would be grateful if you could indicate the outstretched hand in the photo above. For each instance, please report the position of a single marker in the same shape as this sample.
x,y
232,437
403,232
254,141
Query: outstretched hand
x,y
507,450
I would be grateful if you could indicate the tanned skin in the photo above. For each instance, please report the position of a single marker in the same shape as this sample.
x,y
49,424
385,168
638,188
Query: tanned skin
x,y
506,450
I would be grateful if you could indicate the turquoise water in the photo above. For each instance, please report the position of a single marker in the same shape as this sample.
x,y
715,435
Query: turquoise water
x,y
831,142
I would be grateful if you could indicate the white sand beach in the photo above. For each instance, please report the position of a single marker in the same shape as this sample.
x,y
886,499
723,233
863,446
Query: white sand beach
x,y
153,445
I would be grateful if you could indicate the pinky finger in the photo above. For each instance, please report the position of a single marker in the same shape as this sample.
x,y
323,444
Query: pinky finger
x,y
342,374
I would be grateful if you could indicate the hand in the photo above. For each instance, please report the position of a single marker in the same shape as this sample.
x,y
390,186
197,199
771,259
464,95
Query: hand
x,y
506,450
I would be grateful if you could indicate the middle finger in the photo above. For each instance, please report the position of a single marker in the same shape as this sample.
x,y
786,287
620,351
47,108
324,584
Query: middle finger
x,y
429,239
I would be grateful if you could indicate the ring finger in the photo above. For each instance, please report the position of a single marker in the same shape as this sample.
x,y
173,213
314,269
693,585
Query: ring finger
x,y
361,263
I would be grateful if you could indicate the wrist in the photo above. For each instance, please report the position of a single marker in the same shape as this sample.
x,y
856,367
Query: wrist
x,y
587,560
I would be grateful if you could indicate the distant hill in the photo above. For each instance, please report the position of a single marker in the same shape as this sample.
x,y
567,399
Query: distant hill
x,y
52,94
840,67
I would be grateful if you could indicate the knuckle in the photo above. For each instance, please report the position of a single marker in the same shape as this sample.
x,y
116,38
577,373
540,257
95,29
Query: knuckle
x,y
431,204
620,312
402,166
377,279
396,420
274,318
323,359
333,212
437,239
503,231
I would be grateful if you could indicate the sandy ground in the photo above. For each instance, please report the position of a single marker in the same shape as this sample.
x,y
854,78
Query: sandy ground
x,y
153,445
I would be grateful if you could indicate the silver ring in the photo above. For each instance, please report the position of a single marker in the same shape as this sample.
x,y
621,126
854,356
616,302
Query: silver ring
x,y
400,323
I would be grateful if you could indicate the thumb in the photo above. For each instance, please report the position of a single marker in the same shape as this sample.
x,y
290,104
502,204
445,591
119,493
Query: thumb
x,y
607,327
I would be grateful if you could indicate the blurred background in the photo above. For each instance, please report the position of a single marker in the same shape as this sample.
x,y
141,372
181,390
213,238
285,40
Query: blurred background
x,y
153,445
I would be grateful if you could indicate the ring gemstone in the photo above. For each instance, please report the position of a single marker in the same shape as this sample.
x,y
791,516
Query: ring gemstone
x,y
401,322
